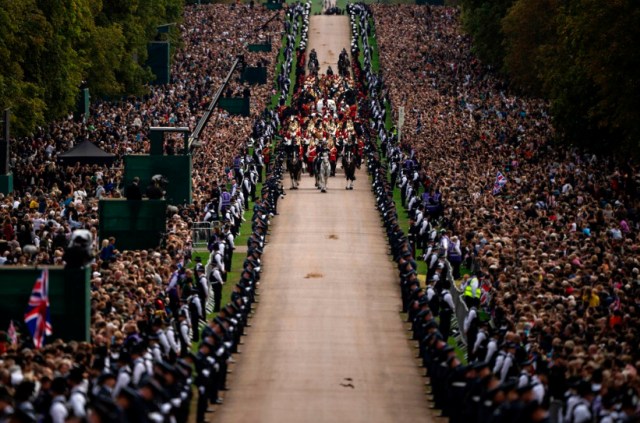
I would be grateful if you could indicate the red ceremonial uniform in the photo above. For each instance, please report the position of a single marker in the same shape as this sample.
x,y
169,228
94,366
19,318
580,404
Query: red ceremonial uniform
x,y
333,154
312,153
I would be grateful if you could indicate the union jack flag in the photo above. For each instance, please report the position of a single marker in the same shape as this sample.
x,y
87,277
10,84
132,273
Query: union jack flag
x,y
500,182
37,315
12,335
616,303
485,289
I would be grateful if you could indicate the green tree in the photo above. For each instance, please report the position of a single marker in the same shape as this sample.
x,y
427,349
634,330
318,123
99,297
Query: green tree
x,y
603,38
580,54
50,47
483,21
529,28
24,98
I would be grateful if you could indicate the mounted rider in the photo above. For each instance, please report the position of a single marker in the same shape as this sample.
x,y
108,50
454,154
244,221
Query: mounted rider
x,y
355,147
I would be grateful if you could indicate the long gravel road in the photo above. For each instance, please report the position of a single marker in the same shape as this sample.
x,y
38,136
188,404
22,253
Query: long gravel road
x,y
327,342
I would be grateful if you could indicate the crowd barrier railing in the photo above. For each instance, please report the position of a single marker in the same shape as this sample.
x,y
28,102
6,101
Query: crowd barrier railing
x,y
461,310
201,234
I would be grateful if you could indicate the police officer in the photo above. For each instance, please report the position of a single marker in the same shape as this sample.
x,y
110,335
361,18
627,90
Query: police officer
x,y
185,339
78,396
203,378
217,277
154,349
455,387
479,348
472,291
446,309
202,289
509,368
124,373
58,411
229,246
580,410
492,347
471,327
525,373
138,367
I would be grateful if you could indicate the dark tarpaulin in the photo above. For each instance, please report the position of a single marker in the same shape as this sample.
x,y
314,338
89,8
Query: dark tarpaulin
x,y
86,153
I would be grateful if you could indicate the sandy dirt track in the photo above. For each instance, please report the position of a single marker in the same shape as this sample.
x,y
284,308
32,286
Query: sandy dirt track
x,y
329,35
327,343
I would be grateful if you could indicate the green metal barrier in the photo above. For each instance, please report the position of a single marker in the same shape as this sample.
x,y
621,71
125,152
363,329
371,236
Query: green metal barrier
x,y
236,106
82,105
158,58
136,225
176,168
6,184
255,75
274,6
260,47
69,301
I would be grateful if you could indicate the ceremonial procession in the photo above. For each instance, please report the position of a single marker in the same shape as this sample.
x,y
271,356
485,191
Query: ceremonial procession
x,y
321,128
233,211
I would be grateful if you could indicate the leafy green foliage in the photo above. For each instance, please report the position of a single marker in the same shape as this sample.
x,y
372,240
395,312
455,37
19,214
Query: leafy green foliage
x,y
50,47
581,54
483,20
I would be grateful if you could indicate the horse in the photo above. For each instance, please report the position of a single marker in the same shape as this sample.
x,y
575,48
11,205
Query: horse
x,y
349,165
294,165
313,66
323,171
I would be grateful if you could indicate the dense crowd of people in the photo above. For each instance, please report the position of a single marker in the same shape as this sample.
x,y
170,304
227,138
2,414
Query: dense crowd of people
x,y
548,233
550,250
149,308
49,199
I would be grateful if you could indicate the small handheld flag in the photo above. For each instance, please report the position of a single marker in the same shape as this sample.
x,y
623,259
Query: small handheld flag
x,y
500,182
37,315
12,335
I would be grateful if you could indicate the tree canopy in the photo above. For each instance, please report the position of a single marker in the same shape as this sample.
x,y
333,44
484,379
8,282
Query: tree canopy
x,y
51,47
581,54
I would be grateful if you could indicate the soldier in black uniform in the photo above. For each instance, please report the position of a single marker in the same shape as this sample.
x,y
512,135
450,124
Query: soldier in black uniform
x,y
475,389
509,409
491,400
438,373
203,378
455,388
131,402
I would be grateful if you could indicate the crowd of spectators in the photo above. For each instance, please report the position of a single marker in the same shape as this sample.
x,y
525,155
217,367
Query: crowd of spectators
x,y
48,197
141,295
554,252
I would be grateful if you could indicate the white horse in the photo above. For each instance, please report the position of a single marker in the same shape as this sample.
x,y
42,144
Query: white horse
x,y
322,176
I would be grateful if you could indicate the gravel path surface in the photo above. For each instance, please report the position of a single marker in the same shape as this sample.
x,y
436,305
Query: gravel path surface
x,y
329,35
327,343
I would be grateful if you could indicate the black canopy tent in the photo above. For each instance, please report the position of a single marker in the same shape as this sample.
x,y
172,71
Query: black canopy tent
x,y
86,153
